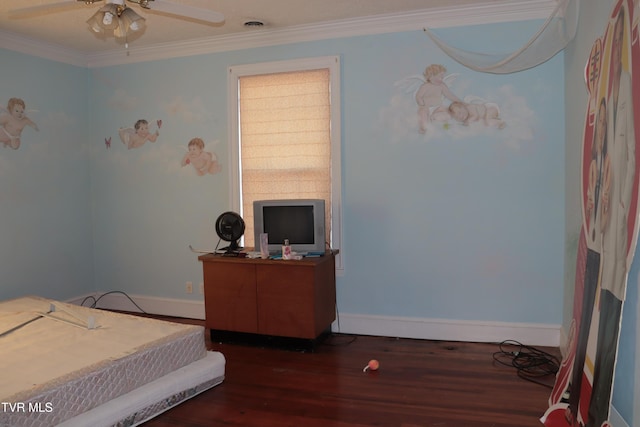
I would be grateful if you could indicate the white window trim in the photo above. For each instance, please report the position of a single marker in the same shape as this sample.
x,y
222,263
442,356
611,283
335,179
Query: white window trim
x,y
333,64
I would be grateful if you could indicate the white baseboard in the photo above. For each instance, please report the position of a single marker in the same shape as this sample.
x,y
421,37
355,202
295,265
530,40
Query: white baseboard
x,y
153,305
357,324
449,330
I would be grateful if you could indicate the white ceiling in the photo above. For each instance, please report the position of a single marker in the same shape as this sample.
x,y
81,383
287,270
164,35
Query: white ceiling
x,y
66,27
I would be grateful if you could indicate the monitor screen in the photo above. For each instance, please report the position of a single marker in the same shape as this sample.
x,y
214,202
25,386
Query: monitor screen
x,y
294,223
301,221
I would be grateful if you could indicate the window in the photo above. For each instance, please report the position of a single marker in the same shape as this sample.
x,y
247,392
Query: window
x,y
285,132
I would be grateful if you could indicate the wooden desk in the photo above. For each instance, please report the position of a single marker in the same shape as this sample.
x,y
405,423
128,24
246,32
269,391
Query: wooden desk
x,y
293,298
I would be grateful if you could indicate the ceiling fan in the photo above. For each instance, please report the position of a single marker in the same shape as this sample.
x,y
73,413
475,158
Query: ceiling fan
x,y
120,8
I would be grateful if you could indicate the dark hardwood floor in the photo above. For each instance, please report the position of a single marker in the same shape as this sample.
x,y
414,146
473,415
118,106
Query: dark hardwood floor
x,y
419,383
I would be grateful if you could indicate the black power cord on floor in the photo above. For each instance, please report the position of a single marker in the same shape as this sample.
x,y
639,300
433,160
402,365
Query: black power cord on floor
x,y
531,363
96,300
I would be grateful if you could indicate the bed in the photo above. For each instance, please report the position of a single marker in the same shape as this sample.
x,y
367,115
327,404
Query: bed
x,y
69,365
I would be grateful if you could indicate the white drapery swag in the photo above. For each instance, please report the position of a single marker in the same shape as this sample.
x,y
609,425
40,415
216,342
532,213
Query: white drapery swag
x,y
557,31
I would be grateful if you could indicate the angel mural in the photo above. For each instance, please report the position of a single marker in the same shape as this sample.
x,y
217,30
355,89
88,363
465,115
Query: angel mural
x,y
139,134
204,162
437,102
476,110
431,94
12,121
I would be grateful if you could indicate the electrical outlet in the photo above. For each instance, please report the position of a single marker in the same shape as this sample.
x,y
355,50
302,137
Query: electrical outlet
x,y
189,287
201,288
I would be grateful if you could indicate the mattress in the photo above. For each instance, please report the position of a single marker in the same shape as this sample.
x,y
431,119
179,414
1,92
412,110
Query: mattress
x,y
60,361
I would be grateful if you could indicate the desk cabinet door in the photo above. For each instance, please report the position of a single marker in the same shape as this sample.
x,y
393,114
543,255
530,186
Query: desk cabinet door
x,y
230,297
285,300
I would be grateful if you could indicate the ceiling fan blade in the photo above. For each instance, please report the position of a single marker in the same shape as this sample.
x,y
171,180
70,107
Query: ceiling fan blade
x,y
44,9
181,10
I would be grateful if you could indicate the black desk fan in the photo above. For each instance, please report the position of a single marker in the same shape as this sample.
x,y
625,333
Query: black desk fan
x,y
230,227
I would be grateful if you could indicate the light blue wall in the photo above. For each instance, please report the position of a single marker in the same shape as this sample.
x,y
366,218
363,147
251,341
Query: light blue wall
x,y
593,22
448,225
45,213
148,209
452,225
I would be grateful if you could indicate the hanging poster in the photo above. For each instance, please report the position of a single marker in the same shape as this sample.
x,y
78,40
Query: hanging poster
x,y
610,169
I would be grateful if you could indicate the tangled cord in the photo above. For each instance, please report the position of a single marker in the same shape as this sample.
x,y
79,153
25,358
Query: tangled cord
x,y
96,300
530,362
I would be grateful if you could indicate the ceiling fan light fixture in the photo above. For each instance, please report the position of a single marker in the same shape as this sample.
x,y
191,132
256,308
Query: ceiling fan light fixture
x,y
116,19
143,3
105,19
130,21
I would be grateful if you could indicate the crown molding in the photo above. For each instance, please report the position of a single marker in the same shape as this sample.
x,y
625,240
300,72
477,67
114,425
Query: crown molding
x,y
490,13
39,48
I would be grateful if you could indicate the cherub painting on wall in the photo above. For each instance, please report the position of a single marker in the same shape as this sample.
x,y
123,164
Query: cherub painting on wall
x,y
139,134
431,94
204,162
12,121
437,103
471,111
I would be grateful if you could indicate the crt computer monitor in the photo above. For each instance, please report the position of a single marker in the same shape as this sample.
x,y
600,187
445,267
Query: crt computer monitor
x,y
301,221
